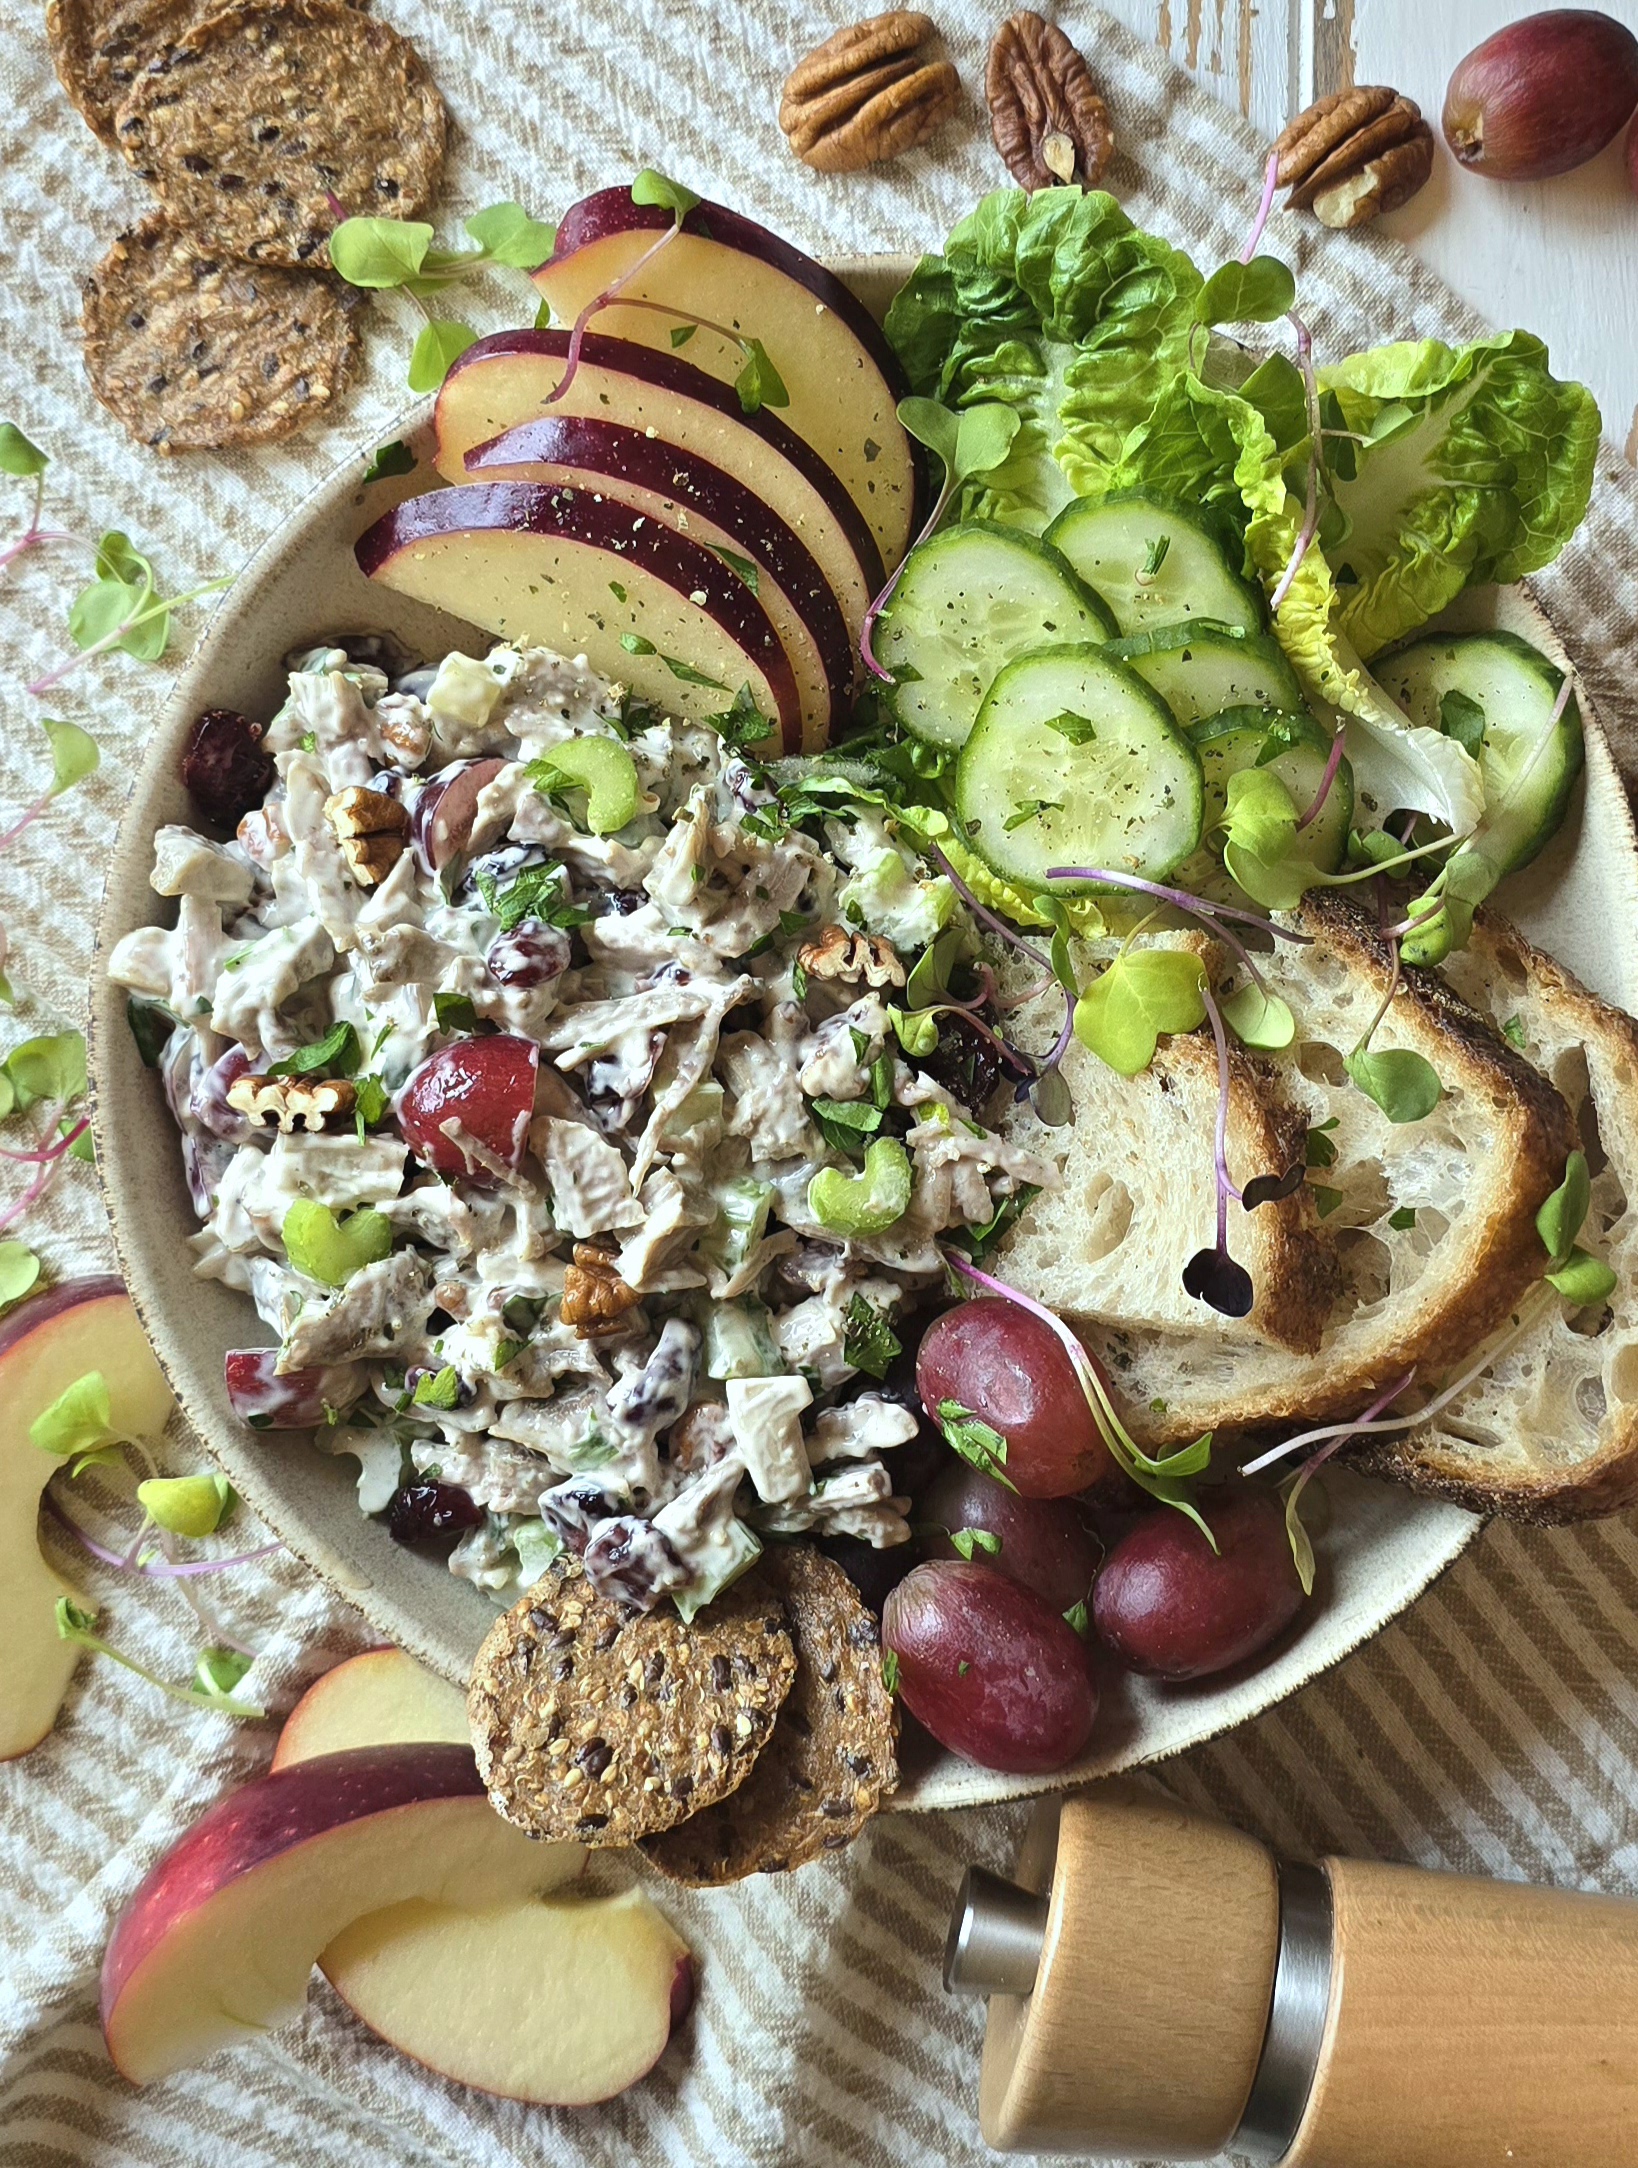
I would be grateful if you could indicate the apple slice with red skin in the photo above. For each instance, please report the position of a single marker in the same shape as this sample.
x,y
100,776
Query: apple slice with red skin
x,y
445,807
842,376
701,501
380,1697
512,377
269,1399
565,569
561,2003
46,1345
487,1085
217,1943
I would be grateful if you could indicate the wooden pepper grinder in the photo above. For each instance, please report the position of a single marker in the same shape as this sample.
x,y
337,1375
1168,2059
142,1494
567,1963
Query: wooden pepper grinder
x,y
1162,1987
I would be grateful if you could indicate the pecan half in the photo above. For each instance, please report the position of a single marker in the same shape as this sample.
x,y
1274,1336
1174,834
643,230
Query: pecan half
x,y
595,1298
1048,121
372,830
839,954
867,94
1354,155
288,1100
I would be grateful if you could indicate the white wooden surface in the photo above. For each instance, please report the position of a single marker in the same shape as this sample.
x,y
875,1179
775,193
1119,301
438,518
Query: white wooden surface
x,y
1558,257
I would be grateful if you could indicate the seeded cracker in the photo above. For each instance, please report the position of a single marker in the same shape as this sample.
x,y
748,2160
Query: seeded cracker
x,y
100,47
595,1722
265,126
197,353
824,1772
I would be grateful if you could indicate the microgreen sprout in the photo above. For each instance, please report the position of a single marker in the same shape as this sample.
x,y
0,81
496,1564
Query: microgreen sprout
x,y
48,1073
383,255
1310,516
1271,182
26,461
123,608
969,443
1212,1275
217,1672
1165,1479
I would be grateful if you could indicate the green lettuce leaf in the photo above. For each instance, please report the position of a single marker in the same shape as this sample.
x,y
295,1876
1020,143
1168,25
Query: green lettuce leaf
x,y
1058,307
1477,466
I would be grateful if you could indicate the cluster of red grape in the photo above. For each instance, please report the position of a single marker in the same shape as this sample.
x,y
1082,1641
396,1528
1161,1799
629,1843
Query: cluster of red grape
x,y
1036,1572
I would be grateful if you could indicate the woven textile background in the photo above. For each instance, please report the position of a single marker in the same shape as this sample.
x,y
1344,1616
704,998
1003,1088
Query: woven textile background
x,y
1491,1729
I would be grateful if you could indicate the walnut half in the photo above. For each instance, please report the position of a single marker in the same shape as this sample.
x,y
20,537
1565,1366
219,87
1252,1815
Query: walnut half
x,y
595,1298
372,830
288,1100
851,957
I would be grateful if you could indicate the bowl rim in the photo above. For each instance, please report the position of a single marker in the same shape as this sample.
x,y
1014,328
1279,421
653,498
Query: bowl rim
x,y
952,1783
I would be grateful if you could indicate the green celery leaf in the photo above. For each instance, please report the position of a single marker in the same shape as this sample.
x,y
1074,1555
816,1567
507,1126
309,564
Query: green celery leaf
x,y
388,460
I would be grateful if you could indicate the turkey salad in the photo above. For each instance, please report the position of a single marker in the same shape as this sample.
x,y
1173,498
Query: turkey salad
x,y
543,1067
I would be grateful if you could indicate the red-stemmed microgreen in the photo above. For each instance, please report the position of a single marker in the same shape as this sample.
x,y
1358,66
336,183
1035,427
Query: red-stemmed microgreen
x,y
158,1569
1302,1551
966,444
26,461
1211,913
1271,182
1165,1479
382,255
984,915
46,1074
121,608
1212,1275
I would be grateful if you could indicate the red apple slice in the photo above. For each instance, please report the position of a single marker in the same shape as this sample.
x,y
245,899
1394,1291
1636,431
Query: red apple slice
x,y
841,374
46,1345
379,1698
485,1084
217,1943
561,2003
688,493
513,377
563,569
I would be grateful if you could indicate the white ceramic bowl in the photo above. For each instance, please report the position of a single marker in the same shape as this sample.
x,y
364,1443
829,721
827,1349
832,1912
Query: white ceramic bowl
x,y
1383,1547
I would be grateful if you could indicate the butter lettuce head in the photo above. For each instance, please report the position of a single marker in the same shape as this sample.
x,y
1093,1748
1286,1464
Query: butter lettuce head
x,y
1477,466
1057,306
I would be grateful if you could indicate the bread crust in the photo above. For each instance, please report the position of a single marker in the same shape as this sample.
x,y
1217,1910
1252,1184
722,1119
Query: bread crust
x,y
1533,1135
1438,1465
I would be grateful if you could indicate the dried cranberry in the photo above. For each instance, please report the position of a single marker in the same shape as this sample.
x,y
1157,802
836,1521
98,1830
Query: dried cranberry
x,y
531,956
431,1513
225,770
964,1063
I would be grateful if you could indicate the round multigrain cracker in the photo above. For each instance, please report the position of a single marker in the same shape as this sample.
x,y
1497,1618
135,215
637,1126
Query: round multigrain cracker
x,y
595,1722
830,1761
266,125
100,47
197,353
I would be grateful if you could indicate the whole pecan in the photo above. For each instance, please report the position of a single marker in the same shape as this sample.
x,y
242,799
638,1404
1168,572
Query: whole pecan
x,y
1048,121
1354,155
868,93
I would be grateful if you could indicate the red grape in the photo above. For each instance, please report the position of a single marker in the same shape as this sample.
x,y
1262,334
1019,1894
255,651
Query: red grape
x,y
1168,1606
225,768
487,1085
874,1573
1043,1541
988,1668
1011,1371
208,1104
297,1400
441,821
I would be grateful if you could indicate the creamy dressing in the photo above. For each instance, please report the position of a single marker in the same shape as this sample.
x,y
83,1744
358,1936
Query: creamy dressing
x,y
682,1046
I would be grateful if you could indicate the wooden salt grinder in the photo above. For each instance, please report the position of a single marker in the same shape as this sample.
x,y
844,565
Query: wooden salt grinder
x,y
1161,1988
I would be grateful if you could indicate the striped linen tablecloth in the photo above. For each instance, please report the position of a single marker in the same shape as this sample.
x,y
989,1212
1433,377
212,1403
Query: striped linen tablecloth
x,y
1490,1729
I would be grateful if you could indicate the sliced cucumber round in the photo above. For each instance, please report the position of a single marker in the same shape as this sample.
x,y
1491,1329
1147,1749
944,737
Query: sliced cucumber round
x,y
1495,694
1201,669
968,601
1301,748
1157,562
1075,761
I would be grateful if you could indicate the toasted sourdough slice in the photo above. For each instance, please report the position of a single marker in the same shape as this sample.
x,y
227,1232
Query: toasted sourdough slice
x,y
1550,1433
1426,1292
1139,1194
